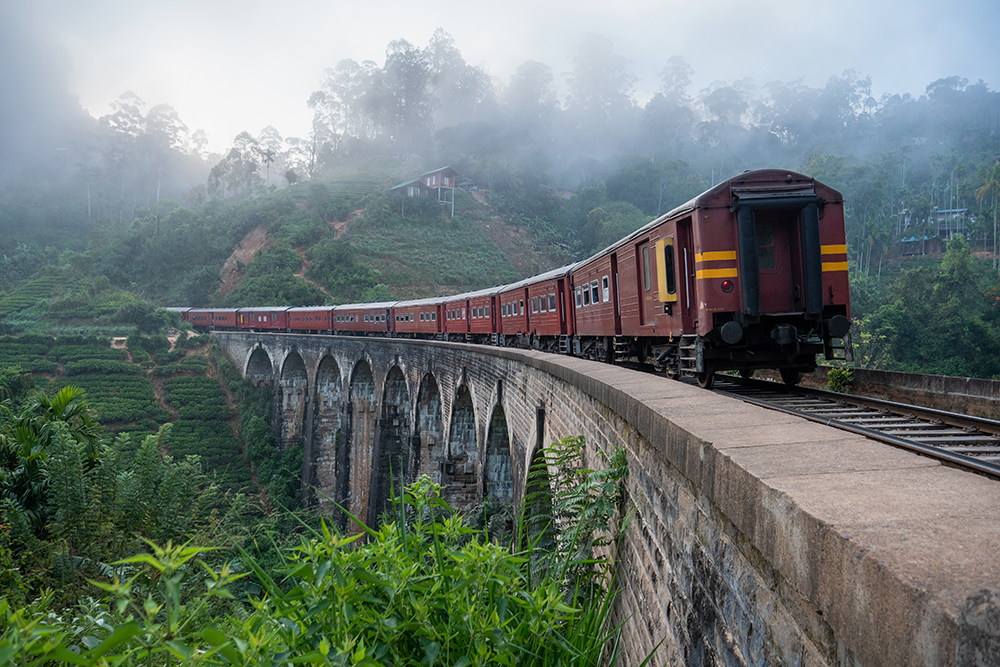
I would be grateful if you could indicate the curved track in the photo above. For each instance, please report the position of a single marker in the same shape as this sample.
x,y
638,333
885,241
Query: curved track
x,y
961,440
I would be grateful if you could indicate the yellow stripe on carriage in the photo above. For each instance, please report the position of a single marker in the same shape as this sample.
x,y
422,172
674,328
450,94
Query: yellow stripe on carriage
x,y
704,274
833,250
834,266
714,256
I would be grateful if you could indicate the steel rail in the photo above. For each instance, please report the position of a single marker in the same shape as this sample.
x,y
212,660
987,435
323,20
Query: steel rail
x,y
886,410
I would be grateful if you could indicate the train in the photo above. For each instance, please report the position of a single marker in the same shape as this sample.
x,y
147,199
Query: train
x,y
751,274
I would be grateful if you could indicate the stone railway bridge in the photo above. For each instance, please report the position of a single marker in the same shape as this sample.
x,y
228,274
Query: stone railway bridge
x,y
758,538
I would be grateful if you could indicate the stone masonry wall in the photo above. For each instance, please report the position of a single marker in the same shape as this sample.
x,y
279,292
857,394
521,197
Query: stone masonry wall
x,y
758,539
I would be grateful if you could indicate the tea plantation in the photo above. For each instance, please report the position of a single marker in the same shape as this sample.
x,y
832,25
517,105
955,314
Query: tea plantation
x,y
123,396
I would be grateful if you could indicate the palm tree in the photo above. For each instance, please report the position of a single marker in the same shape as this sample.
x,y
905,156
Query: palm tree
x,y
26,436
992,185
268,157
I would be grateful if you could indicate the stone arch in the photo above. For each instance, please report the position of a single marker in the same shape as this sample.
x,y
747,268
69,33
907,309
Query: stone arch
x,y
498,476
461,484
259,368
391,466
361,415
293,392
328,447
428,437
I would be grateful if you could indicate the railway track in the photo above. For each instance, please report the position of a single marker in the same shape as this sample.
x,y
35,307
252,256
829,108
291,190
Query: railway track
x,y
964,441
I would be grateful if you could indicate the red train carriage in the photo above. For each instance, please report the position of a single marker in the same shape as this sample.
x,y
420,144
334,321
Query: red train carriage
x,y
418,318
471,316
358,319
266,318
537,311
315,319
207,319
750,274
594,284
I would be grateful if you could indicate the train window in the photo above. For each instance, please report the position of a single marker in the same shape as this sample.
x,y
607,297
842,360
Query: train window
x,y
578,297
534,304
542,306
595,296
481,313
486,312
434,317
421,317
765,248
645,268
552,302
586,297
463,314
605,289
521,304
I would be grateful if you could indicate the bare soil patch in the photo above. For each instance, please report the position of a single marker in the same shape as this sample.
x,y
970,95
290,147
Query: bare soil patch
x,y
255,240
516,244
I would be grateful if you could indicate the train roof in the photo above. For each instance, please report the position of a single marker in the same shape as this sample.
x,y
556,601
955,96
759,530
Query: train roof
x,y
174,309
216,310
489,291
302,309
263,309
430,301
375,305
540,278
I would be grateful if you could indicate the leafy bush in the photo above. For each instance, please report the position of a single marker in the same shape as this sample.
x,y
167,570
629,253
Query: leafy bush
x,y
104,366
422,589
189,364
120,398
281,470
840,379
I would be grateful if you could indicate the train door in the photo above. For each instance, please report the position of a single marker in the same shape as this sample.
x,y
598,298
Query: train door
x,y
561,304
685,273
778,284
615,296
646,272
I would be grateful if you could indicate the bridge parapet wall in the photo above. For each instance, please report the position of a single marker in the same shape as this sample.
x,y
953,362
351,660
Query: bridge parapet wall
x,y
758,538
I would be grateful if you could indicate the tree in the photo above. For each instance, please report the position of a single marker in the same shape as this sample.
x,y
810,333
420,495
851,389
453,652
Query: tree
x,y
991,185
235,176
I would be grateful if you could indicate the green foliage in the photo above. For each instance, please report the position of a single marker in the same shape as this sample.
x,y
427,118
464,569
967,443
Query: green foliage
x,y
15,383
27,352
422,589
74,501
202,429
936,318
105,366
147,317
840,379
418,257
119,399
189,364
189,342
280,470
269,280
29,294
334,265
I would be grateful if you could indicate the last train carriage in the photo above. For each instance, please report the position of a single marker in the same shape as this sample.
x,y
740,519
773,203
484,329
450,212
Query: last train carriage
x,y
750,274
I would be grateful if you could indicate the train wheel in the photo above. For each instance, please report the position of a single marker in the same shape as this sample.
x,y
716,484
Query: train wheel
x,y
790,376
706,379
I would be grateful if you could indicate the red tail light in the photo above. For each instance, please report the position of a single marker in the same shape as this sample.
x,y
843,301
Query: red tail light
x,y
728,285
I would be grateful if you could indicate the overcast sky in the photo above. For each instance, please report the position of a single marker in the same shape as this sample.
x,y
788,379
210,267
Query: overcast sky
x,y
230,65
